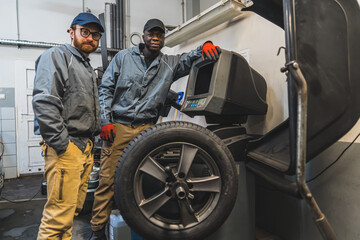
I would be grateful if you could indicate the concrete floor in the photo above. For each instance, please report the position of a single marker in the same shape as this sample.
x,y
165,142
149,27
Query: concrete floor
x,y
20,218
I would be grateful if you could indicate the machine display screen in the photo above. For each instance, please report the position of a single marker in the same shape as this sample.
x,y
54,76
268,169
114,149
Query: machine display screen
x,y
203,78
225,91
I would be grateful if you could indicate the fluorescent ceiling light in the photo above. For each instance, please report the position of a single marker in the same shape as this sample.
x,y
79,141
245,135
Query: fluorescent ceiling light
x,y
210,18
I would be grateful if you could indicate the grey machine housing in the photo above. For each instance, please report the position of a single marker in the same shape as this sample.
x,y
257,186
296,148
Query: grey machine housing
x,y
226,91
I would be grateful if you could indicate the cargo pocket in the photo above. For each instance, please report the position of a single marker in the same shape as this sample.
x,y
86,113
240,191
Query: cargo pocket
x,y
61,185
106,150
56,187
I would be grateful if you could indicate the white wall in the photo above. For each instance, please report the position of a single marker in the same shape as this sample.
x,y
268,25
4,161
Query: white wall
x,y
42,21
48,20
139,11
204,4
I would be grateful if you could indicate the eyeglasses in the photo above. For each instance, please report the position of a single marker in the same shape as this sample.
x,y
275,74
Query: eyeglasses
x,y
155,34
84,32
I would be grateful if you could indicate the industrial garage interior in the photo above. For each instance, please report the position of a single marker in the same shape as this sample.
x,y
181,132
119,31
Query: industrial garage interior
x,y
281,101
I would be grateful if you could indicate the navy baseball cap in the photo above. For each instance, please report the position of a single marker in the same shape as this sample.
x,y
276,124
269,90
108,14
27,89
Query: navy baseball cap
x,y
154,23
85,18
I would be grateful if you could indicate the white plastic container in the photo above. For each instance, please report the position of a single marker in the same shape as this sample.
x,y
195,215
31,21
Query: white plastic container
x,y
117,227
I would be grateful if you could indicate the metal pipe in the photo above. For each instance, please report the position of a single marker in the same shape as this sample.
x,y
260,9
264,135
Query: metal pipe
x,y
112,26
183,11
107,24
118,23
300,99
126,25
17,19
121,23
27,43
217,14
290,29
320,219
290,54
104,55
115,27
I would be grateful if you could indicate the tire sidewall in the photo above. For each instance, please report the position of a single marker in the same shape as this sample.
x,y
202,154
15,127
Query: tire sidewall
x,y
145,143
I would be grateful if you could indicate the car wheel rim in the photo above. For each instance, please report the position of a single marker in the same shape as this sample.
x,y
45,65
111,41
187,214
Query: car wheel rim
x,y
177,185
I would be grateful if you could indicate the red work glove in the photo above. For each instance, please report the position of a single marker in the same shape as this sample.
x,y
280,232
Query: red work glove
x,y
108,132
210,51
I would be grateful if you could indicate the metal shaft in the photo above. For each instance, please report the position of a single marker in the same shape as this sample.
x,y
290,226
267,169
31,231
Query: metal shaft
x,y
320,219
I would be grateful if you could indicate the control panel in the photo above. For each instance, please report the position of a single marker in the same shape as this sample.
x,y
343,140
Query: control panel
x,y
195,103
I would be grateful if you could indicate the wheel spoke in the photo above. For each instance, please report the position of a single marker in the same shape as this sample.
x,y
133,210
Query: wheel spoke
x,y
205,184
187,218
187,157
151,205
151,167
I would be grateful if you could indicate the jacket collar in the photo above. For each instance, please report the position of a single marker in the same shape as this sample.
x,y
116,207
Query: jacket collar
x,y
136,50
77,53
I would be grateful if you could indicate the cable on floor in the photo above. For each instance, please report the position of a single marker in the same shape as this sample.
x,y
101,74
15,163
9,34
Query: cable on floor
x,y
22,201
337,159
272,188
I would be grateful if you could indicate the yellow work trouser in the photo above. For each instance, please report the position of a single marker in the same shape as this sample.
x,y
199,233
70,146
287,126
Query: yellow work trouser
x,y
110,155
67,177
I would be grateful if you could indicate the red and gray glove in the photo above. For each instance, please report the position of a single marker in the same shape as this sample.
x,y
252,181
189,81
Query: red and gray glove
x,y
108,133
210,51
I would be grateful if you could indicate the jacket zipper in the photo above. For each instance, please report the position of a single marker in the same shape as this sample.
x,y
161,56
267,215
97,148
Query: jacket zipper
x,y
94,83
61,184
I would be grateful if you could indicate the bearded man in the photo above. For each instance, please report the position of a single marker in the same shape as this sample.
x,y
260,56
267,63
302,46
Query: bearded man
x,y
67,115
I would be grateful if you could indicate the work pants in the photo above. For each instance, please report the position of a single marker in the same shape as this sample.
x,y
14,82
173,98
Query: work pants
x,y
67,177
110,155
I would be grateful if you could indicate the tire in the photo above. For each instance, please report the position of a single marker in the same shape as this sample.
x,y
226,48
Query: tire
x,y
160,202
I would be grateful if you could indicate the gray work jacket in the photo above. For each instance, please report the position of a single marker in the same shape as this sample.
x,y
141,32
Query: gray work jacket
x,y
65,98
132,94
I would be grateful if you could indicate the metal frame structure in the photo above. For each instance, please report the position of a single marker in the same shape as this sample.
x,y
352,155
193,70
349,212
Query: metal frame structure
x,y
297,79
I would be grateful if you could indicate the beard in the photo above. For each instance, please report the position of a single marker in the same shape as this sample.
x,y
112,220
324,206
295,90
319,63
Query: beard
x,y
85,46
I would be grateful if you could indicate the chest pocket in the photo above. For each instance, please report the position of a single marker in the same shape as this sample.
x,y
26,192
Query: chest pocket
x,y
79,78
128,84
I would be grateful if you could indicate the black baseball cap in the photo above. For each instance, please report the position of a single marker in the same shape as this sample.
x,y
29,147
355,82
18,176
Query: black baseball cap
x,y
85,18
154,23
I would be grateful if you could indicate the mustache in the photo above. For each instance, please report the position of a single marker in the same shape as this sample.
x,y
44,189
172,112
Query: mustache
x,y
90,43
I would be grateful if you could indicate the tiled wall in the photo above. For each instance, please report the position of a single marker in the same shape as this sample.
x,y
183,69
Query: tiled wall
x,y
8,131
